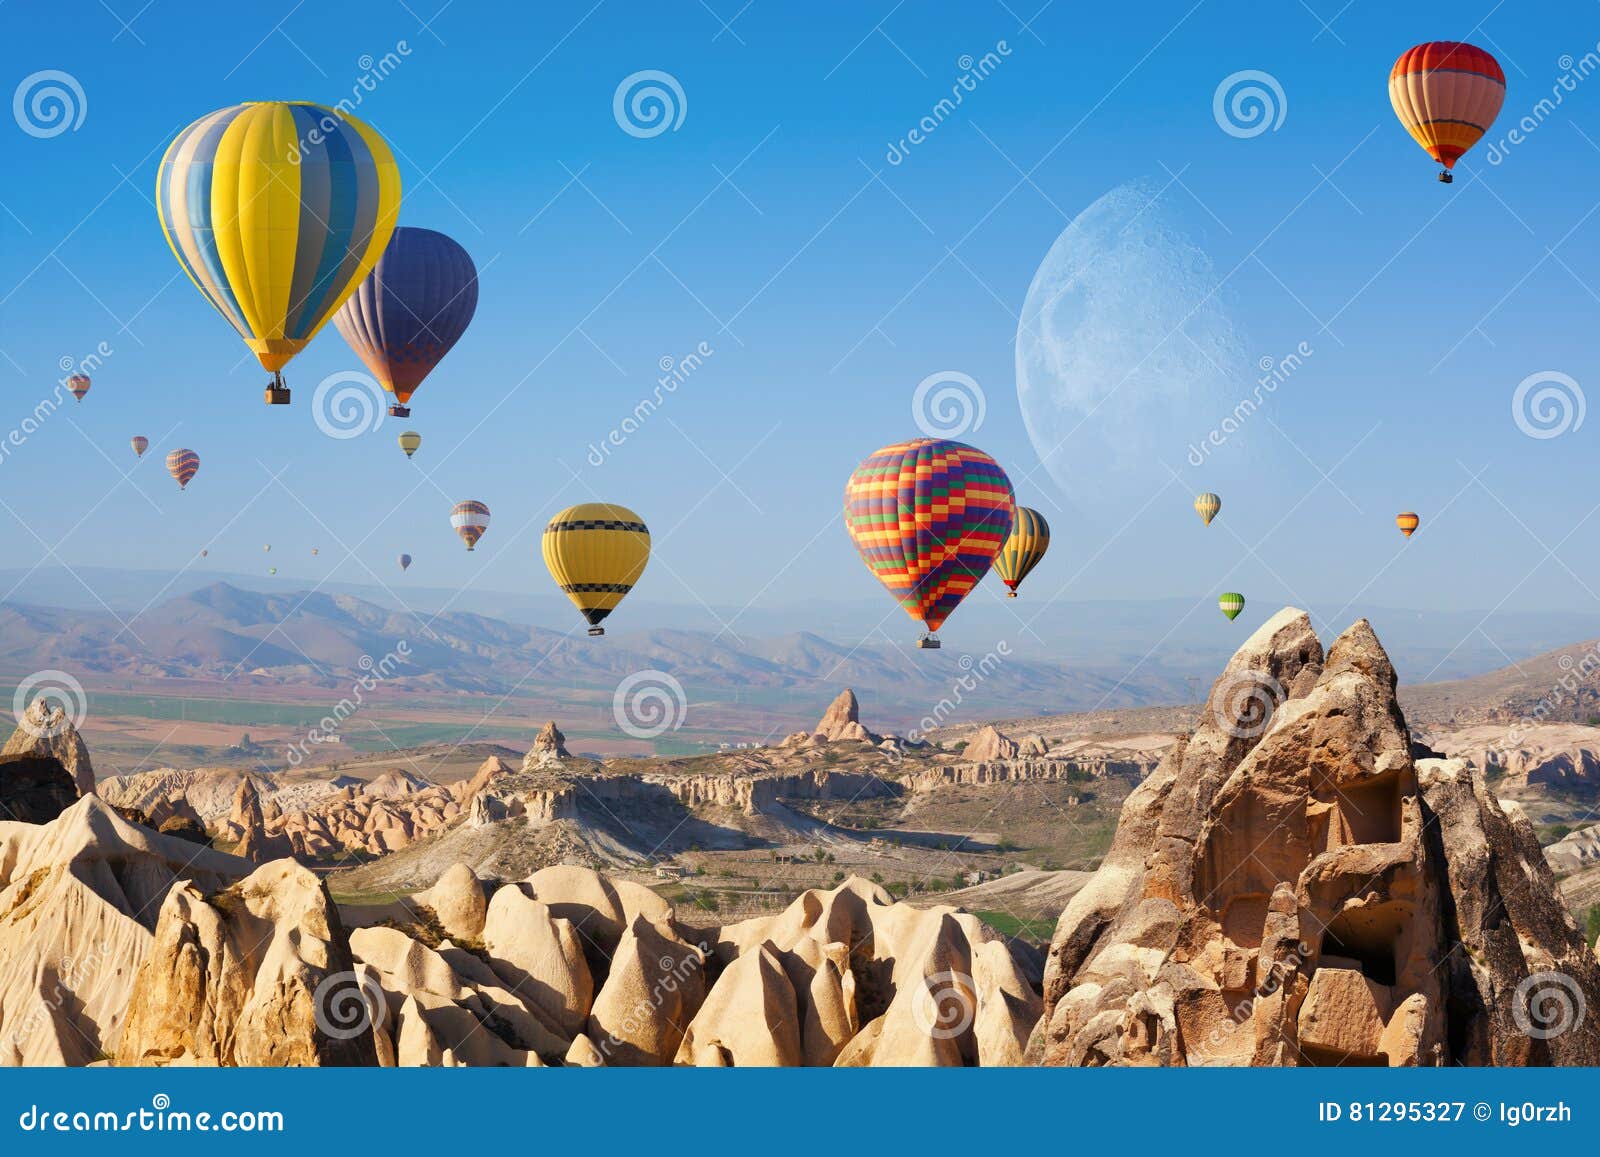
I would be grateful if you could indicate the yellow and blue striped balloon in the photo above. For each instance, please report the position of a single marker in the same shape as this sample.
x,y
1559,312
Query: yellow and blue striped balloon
x,y
1030,538
277,210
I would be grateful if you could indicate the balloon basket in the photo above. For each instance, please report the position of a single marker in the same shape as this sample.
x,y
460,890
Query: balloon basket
x,y
400,412
929,642
276,395
1445,177
595,632
1011,595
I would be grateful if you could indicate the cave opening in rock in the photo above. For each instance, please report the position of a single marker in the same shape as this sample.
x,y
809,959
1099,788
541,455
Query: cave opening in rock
x,y
1366,938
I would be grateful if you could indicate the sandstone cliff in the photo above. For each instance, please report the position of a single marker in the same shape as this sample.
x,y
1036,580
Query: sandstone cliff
x,y
1293,886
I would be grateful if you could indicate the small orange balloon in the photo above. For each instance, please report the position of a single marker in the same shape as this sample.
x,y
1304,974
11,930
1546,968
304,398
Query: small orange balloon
x,y
1407,522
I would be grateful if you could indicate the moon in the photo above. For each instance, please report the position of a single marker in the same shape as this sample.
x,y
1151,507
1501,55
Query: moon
x,y
1127,357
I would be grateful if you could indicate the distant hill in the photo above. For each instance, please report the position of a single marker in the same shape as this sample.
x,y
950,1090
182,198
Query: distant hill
x,y
1560,686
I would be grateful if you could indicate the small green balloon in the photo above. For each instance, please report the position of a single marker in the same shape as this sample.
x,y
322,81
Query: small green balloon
x,y
1231,604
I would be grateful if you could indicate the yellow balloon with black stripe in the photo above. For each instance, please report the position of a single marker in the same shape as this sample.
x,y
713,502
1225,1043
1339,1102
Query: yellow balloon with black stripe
x,y
1030,538
277,210
596,552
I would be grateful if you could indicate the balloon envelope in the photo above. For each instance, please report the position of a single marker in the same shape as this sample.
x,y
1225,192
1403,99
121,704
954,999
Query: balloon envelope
x,y
79,385
596,552
1231,604
140,444
1030,538
1206,506
928,517
1446,94
409,441
183,465
405,562
1407,522
411,309
471,519
276,210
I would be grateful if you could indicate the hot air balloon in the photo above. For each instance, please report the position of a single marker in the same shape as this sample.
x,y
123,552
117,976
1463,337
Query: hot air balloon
x,y
1447,94
1206,506
183,465
203,553
276,210
1030,538
78,384
272,570
140,444
266,546
411,309
405,562
313,552
596,552
471,519
409,441
928,517
1231,604
1407,522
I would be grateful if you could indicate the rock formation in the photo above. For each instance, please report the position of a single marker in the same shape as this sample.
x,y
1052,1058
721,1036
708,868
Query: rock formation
x,y
250,820
1293,886
257,974
548,750
840,722
79,899
46,729
989,744
34,789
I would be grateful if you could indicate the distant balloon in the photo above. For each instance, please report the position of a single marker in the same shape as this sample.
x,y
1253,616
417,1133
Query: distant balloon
x,y
411,309
277,210
405,562
1206,506
313,552
266,546
203,553
471,519
1030,538
928,517
272,570
79,385
183,465
409,441
140,444
1446,94
1407,522
1231,604
596,552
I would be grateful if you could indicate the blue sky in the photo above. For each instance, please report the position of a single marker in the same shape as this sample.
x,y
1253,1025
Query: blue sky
x,y
828,282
